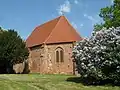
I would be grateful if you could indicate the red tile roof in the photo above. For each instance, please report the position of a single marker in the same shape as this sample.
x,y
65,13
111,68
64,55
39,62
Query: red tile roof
x,y
58,30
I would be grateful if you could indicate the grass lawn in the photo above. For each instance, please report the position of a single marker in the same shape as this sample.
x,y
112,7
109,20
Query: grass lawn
x,y
44,82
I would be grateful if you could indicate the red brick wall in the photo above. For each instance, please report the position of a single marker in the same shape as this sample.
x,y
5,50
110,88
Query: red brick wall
x,y
42,59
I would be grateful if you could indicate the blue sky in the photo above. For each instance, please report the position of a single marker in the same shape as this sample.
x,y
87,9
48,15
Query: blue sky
x,y
25,15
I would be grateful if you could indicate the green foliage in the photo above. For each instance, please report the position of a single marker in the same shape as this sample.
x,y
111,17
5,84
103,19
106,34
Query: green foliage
x,y
98,57
98,27
1,30
12,49
110,16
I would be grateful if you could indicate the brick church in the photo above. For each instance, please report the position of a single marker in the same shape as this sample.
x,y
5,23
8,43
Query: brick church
x,y
50,46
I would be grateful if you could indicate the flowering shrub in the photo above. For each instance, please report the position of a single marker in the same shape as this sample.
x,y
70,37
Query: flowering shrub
x,y
99,56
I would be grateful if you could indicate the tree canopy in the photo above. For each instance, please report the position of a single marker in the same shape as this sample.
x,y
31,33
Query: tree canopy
x,y
12,49
110,16
98,57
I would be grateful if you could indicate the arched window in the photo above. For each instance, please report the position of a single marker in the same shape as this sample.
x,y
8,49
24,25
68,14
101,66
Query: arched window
x,y
59,54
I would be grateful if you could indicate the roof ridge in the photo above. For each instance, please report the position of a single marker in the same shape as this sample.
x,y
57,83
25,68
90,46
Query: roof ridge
x,y
38,27
72,26
41,25
52,31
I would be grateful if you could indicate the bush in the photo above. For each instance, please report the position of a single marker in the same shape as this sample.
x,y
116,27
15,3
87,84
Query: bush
x,y
98,58
13,50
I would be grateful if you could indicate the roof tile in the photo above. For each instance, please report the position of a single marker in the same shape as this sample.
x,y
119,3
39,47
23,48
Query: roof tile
x,y
58,30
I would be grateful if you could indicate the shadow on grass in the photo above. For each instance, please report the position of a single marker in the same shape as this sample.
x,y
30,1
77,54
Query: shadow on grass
x,y
74,79
92,81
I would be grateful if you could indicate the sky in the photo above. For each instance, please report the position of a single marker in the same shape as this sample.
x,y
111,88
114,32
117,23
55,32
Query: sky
x,y
25,15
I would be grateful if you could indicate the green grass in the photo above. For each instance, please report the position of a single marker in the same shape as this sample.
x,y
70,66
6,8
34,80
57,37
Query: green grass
x,y
44,82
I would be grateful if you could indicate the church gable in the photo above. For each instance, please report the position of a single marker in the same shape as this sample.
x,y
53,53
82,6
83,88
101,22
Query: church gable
x,y
58,30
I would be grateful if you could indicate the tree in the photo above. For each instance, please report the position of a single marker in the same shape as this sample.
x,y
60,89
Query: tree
x,y
98,58
98,27
12,50
1,30
110,15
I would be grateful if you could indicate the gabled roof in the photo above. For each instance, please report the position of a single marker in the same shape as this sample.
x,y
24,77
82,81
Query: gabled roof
x,y
58,30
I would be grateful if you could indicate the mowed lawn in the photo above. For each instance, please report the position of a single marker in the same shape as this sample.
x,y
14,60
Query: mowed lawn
x,y
44,82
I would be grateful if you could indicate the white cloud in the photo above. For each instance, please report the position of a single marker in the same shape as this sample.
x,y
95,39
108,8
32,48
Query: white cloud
x,y
94,19
81,25
53,16
64,8
76,1
90,17
74,25
112,1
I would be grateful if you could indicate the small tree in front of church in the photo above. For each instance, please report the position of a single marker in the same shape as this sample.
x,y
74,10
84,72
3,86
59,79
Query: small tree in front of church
x,y
12,50
98,57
